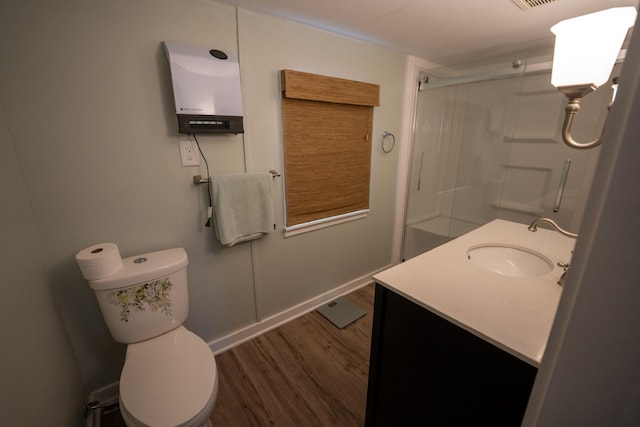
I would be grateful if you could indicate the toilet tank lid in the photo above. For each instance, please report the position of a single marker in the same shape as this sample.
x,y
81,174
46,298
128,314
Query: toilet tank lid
x,y
143,268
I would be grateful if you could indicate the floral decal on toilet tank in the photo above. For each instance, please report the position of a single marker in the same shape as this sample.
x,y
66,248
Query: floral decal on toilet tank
x,y
155,295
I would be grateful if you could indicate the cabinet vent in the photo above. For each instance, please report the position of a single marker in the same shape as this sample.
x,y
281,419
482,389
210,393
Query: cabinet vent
x,y
528,4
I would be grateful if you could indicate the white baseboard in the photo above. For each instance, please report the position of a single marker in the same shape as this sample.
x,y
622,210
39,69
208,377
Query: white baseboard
x,y
233,339
110,392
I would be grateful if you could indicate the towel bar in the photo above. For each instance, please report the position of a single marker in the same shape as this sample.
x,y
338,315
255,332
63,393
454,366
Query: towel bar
x,y
198,179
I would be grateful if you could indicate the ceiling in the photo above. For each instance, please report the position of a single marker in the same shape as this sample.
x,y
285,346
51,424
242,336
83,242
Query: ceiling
x,y
446,32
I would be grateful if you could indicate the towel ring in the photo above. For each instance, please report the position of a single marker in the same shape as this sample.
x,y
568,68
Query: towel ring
x,y
384,135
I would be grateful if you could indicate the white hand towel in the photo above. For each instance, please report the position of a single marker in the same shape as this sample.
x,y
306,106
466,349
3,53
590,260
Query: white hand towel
x,y
242,206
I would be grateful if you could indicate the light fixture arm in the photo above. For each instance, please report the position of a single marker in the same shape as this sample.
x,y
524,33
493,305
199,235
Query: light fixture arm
x,y
584,55
575,94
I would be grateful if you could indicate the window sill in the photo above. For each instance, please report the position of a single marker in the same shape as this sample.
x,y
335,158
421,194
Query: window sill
x,y
306,227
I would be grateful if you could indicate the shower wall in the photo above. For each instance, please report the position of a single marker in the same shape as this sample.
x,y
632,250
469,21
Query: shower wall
x,y
492,148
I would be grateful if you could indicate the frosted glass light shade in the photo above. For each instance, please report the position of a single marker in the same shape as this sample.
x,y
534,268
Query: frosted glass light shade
x,y
587,46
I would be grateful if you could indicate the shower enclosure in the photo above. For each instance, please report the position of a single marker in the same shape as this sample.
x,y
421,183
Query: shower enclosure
x,y
487,144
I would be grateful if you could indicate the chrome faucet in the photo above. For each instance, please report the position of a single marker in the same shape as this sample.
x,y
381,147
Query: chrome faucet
x,y
534,227
565,268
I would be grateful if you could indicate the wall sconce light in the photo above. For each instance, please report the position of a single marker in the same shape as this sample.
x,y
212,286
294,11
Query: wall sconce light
x,y
585,52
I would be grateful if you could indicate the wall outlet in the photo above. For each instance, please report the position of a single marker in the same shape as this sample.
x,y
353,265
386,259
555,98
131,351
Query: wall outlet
x,y
189,153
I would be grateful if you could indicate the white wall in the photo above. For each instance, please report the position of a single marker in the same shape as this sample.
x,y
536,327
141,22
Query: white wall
x,y
313,263
590,375
88,105
36,358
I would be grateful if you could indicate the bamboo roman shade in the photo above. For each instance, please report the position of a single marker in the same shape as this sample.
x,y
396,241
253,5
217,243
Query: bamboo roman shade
x,y
327,126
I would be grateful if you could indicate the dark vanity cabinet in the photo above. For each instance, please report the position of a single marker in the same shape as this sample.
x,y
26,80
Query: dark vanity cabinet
x,y
427,371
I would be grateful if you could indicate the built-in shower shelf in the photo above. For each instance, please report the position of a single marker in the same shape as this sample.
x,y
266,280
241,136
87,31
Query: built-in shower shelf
x,y
518,207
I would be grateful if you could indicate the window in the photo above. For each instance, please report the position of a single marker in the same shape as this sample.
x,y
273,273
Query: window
x,y
327,126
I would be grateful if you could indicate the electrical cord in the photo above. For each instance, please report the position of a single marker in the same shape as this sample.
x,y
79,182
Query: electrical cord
x,y
210,208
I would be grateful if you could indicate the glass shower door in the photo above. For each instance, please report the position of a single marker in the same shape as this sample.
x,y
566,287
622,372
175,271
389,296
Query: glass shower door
x,y
431,153
456,154
490,147
480,173
542,176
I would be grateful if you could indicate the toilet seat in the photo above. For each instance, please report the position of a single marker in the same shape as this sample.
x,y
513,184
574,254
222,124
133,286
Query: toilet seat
x,y
170,380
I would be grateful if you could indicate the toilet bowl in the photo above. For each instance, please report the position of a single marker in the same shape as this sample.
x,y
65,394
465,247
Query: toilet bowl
x,y
170,380
169,377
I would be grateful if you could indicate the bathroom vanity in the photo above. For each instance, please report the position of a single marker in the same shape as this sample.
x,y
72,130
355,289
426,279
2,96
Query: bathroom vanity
x,y
459,332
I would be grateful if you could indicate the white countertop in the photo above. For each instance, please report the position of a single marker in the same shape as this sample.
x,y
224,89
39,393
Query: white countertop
x,y
513,313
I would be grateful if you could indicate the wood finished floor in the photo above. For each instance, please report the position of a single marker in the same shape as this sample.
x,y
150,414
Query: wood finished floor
x,y
306,372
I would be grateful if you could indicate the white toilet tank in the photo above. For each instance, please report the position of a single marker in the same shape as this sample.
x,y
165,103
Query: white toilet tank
x,y
147,297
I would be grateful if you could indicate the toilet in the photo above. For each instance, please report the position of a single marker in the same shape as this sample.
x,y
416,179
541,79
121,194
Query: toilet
x,y
169,377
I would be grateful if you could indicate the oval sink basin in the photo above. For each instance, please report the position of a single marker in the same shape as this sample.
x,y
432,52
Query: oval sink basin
x,y
509,260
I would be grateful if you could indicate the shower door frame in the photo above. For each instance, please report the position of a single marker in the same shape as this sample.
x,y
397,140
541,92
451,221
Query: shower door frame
x,y
414,67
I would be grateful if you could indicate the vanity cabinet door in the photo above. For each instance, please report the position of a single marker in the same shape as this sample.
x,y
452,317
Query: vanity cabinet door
x,y
426,371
